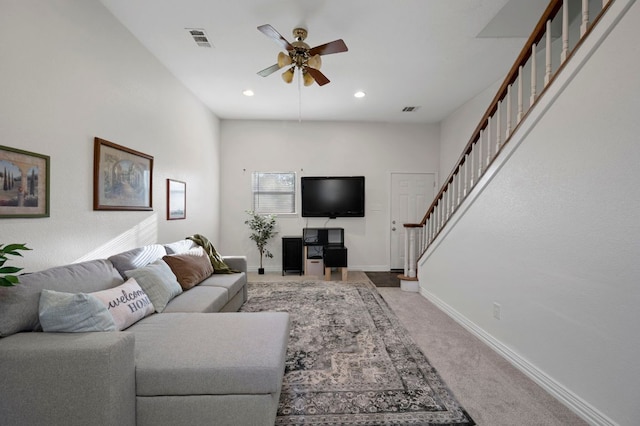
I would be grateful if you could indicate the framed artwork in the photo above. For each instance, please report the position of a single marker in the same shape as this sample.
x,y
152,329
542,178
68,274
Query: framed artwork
x,y
122,177
24,183
176,199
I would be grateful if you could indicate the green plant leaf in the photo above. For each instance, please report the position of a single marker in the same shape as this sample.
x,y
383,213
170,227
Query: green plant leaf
x,y
9,270
8,281
12,249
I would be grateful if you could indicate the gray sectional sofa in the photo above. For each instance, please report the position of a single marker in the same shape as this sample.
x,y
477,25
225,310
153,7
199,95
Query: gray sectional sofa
x,y
197,362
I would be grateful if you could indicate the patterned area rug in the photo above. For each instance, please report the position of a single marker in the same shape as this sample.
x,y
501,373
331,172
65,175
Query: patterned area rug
x,y
350,361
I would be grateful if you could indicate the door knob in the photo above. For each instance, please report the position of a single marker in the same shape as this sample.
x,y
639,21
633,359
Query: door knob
x,y
393,229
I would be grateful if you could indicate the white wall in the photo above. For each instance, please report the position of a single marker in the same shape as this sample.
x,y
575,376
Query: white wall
x,y
71,72
457,128
321,148
553,239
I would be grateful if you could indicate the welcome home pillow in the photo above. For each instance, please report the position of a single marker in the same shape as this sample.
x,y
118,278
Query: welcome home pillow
x,y
127,303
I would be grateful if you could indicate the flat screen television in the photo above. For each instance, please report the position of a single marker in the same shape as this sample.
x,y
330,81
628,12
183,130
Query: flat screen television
x,y
332,196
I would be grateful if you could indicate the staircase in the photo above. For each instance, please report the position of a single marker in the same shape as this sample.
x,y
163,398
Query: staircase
x,y
559,32
535,249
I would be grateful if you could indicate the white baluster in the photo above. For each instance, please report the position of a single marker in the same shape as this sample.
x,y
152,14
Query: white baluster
x,y
547,74
472,173
488,129
464,170
585,17
498,125
532,99
445,198
453,194
480,153
565,31
520,106
431,227
406,252
412,252
459,186
508,131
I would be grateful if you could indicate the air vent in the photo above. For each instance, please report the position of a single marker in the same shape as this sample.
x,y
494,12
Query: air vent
x,y
410,108
199,36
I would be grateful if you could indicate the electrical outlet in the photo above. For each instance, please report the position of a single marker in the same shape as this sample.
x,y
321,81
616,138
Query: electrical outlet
x,y
497,314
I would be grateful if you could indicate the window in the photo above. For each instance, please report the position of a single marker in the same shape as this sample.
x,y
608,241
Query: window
x,y
274,193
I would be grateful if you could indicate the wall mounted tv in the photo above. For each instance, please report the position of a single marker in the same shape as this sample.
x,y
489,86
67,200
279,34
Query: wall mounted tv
x,y
332,196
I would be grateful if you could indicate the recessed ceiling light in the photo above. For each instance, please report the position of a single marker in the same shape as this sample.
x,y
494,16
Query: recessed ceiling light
x,y
359,94
248,92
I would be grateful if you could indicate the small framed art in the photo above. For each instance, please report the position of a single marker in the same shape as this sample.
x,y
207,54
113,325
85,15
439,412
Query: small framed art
x,y
176,199
24,183
122,177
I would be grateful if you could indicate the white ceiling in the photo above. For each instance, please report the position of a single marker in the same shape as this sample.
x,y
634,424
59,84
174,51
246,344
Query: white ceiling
x,y
434,54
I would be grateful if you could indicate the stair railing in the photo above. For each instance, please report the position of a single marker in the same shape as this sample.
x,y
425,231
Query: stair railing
x,y
558,33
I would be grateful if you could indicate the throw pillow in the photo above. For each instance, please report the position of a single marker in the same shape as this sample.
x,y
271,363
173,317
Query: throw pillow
x,y
73,313
127,303
190,268
158,281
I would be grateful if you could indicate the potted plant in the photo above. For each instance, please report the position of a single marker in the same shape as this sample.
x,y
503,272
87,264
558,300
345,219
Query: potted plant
x,y
7,279
262,230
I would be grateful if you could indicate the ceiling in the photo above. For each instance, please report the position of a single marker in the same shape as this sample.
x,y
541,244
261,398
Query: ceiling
x,y
431,54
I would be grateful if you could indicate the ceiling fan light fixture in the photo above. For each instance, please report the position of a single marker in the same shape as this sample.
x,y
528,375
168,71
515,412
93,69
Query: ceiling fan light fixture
x,y
283,59
315,62
307,79
287,76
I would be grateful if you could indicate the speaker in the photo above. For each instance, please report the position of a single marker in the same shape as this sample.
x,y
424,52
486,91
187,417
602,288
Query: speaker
x,y
335,257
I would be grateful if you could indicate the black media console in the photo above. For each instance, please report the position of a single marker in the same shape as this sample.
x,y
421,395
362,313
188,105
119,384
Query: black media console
x,y
324,249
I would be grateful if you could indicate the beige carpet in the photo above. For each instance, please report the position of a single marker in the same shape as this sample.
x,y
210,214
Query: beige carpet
x,y
493,392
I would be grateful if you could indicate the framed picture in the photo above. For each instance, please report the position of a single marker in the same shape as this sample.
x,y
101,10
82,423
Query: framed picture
x,y
176,199
24,183
122,177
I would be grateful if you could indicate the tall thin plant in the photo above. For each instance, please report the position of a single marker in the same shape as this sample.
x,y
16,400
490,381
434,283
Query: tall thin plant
x,y
262,230
7,279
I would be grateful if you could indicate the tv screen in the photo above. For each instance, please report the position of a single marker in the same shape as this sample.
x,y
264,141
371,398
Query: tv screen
x,y
332,196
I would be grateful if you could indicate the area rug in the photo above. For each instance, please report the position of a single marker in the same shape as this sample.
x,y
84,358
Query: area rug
x,y
350,361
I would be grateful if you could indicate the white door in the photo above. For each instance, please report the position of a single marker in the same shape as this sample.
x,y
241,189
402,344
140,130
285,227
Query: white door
x,y
411,196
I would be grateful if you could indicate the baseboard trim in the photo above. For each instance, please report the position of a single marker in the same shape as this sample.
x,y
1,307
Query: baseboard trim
x,y
579,406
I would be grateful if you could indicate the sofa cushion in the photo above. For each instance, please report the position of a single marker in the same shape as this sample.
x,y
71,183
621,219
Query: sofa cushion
x,y
233,283
228,353
137,258
73,313
199,299
127,303
190,268
179,247
158,281
19,304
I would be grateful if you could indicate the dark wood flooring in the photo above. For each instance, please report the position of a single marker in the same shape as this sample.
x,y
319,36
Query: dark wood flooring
x,y
384,279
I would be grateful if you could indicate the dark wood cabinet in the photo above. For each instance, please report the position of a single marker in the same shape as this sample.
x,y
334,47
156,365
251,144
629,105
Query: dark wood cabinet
x,y
292,255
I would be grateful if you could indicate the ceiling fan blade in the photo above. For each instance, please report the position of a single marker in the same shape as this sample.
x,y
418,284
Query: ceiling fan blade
x,y
268,71
271,32
320,78
335,46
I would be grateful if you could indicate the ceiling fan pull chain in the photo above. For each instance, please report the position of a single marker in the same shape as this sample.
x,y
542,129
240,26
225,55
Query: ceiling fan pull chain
x,y
299,97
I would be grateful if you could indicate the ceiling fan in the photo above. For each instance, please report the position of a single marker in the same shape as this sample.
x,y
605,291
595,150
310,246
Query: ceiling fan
x,y
300,55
